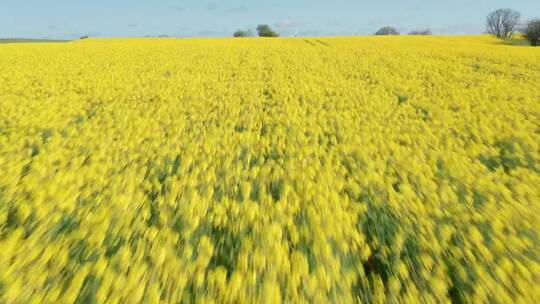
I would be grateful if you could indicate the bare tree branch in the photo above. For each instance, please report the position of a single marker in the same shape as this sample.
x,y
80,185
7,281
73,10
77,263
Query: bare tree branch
x,y
502,23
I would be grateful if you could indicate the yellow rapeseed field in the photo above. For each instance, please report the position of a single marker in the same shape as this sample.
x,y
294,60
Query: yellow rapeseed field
x,y
318,170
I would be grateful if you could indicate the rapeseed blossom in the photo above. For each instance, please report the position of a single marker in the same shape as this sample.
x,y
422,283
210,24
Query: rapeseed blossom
x,y
331,170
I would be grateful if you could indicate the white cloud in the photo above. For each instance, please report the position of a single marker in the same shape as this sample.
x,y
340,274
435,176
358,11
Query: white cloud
x,y
289,24
458,29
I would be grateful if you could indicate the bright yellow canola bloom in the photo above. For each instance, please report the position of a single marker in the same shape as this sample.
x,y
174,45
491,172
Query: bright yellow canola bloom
x,y
331,170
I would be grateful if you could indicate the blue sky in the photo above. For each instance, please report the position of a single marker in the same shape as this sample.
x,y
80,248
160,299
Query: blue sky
x,y
109,18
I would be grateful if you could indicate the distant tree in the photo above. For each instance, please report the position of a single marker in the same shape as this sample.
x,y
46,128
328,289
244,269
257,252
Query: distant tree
x,y
265,31
502,23
532,32
241,33
387,30
421,32
84,37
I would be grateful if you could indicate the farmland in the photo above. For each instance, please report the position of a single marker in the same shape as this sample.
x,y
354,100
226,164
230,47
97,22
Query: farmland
x,y
321,170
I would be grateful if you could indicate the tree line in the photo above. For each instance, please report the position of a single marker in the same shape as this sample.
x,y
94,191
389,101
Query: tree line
x,y
505,22
263,30
502,23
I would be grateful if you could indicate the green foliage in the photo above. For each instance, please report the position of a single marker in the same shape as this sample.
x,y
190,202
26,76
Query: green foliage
x,y
264,30
386,31
242,33
425,32
532,32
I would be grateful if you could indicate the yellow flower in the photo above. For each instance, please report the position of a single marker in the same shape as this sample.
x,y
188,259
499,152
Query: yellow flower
x,y
296,170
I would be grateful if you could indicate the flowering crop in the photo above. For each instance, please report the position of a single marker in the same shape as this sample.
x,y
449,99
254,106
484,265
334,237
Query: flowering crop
x,y
332,170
